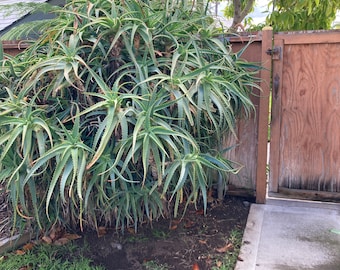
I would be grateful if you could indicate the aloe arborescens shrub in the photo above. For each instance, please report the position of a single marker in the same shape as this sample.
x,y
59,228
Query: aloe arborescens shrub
x,y
116,113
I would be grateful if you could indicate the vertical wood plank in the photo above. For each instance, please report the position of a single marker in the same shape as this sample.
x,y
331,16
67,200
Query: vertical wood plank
x,y
244,146
275,122
263,111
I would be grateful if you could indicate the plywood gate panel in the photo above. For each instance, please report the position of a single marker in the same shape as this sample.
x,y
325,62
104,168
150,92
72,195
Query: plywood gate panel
x,y
310,117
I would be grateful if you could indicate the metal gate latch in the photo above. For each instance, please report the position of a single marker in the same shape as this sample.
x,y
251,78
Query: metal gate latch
x,y
275,52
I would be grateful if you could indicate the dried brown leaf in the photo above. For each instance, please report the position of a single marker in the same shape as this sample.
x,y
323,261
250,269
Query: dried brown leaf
x,y
56,232
71,236
101,231
47,239
173,227
20,252
225,248
203,242
61,241
131,230
175,221
28,246
195,266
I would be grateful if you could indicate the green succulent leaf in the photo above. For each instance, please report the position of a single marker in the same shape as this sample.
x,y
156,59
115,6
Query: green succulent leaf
x,y
117,111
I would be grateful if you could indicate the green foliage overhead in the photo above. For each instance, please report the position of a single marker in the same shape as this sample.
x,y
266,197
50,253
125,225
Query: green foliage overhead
x,y
116,113
230,8
239,11
287,15
303,15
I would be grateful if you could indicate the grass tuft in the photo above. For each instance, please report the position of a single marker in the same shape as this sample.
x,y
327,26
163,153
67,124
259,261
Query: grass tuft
x,y
48,257
229,260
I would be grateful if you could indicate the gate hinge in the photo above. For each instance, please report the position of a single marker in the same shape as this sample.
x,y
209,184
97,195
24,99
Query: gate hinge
x,y
275,52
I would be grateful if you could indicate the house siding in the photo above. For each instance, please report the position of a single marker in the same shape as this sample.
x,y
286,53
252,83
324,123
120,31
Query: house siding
x,y
7,18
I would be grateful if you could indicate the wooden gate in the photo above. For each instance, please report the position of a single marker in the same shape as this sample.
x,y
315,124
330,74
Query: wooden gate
x,y
305,123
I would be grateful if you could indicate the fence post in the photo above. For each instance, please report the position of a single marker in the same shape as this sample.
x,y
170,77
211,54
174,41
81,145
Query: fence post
x,y
263,113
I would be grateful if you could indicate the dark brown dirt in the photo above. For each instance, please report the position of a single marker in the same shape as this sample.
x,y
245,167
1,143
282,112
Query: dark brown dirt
x,y
178,244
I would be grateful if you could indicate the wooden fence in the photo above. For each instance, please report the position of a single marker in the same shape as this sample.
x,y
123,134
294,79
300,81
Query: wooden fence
x,y
252,137
13,47
300,71
304,160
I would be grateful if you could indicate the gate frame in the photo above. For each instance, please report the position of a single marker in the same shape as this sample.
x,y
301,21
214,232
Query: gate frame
x,y
263,115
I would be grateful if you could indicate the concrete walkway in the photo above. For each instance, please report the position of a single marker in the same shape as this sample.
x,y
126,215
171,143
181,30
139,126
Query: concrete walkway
x,y
291,235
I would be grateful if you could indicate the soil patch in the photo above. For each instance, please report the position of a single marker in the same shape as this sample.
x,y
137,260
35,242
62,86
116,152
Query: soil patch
x,y
180,244
196,239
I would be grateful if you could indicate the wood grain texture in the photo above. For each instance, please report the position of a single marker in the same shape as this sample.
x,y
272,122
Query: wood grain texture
x,y
243,151
310,117
311,195
263,116
274,160
310,37
244,146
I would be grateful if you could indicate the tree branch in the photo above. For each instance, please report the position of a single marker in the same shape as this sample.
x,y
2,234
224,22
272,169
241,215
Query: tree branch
x,y
240,14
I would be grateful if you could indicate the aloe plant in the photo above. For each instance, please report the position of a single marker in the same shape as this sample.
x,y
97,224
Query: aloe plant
x,y
115,114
